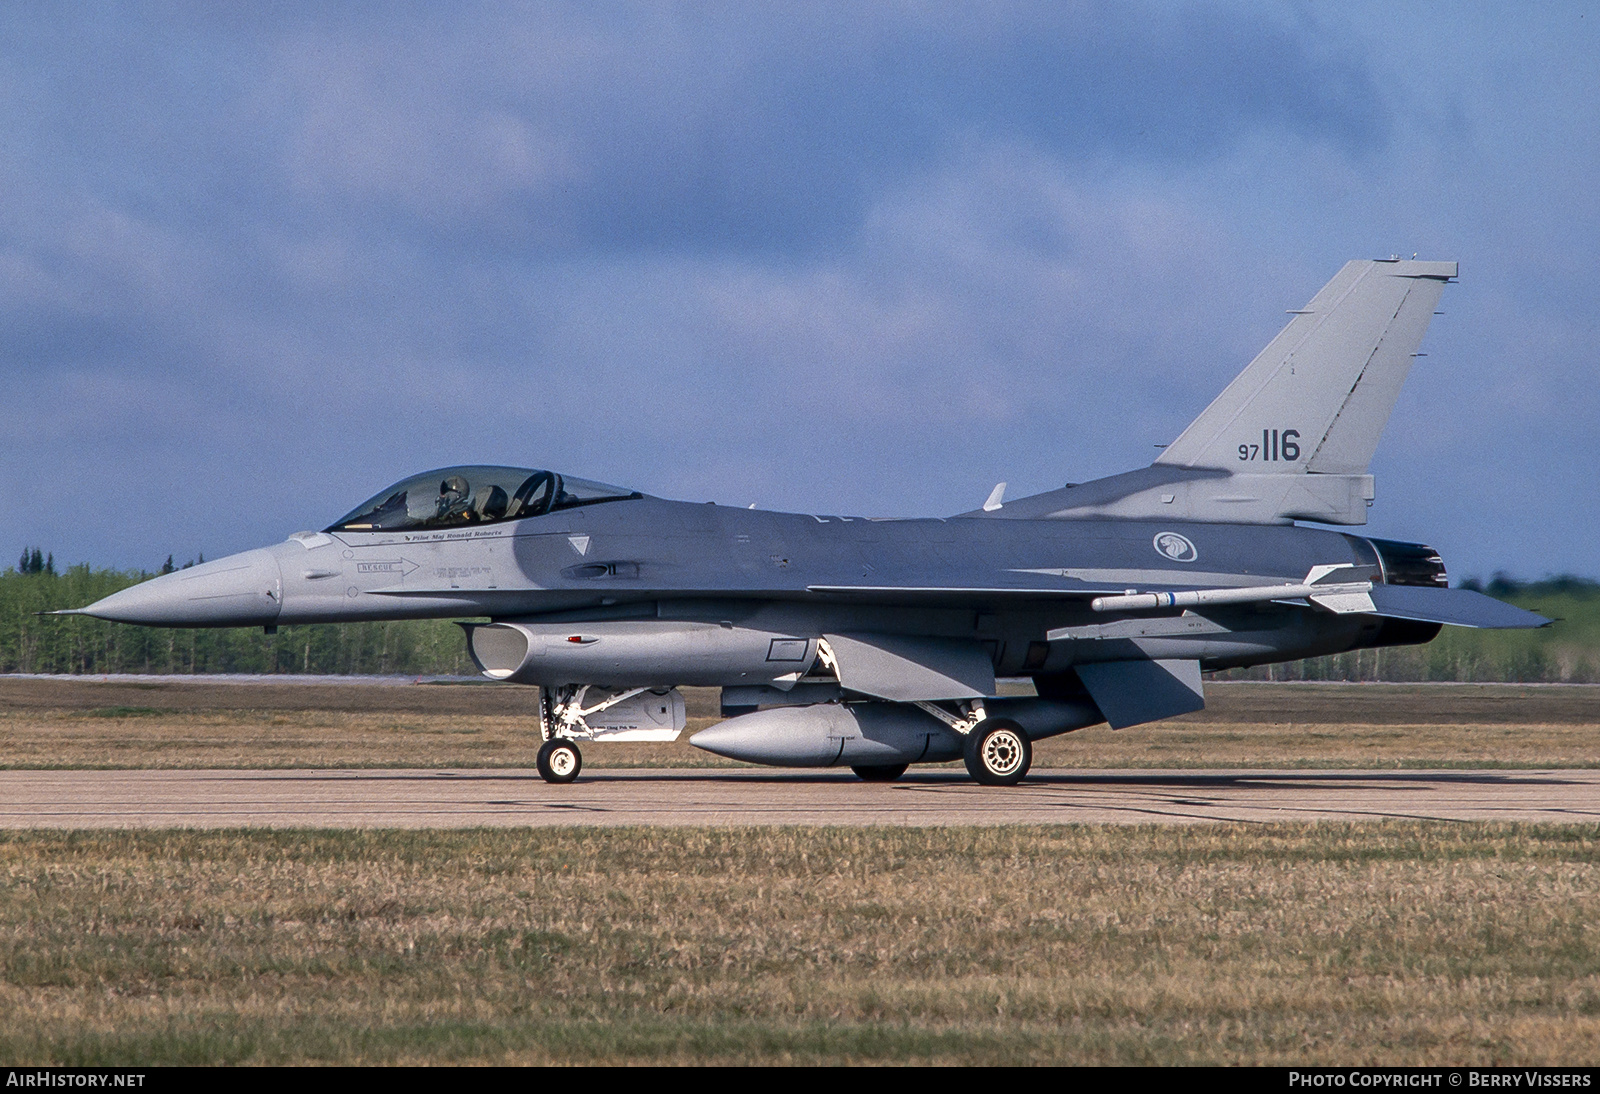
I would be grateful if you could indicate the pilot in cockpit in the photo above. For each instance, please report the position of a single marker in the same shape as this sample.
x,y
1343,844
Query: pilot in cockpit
x,y
454,493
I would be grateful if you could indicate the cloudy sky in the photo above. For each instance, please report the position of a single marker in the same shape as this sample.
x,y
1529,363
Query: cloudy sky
x,y
256,264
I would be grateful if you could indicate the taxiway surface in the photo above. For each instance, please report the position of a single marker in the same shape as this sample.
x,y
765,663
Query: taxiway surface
x,y
503,798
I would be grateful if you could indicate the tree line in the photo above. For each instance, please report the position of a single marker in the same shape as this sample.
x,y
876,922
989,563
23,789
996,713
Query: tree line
x,y
1567,652
30,642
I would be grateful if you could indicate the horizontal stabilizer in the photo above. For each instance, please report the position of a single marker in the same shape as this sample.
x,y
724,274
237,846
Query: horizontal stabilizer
x,y
1457,607
907,668
1130,693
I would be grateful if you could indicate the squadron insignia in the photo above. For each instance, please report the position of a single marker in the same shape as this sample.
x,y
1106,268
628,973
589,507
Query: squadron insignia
x,y
1170,545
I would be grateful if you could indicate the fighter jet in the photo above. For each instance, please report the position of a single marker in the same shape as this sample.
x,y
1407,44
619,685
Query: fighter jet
x,y
877,643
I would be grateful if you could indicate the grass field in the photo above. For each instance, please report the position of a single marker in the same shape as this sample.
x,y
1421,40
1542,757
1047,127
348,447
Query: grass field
x,y
1371,943
1403,943
157,724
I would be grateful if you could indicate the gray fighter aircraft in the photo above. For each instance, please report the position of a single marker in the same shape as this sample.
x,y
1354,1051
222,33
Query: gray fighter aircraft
x,y
876,644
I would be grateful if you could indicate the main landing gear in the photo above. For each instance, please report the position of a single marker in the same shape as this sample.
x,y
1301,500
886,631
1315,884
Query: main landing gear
x,y
559,760
997,752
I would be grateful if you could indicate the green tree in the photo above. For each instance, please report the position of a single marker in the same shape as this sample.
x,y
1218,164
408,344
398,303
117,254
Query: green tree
x,y
31,642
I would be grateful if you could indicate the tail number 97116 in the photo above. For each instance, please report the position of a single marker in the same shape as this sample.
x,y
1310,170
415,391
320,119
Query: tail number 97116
x,y
1275,447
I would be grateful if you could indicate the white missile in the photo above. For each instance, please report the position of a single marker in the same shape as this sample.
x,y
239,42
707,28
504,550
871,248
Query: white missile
x,y
1350,597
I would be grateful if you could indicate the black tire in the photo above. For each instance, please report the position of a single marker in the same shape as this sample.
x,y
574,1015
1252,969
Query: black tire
x,y
559,760
998,752
880,773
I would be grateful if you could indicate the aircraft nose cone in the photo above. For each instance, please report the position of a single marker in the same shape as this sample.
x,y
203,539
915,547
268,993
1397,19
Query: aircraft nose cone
x,y
243,590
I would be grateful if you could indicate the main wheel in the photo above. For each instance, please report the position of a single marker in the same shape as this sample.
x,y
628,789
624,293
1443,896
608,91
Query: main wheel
x,y
559,760
880,773
998,752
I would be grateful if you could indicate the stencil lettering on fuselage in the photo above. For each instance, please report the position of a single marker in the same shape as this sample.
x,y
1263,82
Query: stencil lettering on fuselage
x,y
400,567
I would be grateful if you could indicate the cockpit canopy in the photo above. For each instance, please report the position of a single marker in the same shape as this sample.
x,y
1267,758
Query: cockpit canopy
x,y
452,497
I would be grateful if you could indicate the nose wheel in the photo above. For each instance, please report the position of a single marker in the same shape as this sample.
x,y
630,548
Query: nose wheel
x,y
559,760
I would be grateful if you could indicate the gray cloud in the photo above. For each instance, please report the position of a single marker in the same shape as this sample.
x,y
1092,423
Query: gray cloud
x,y
692,126
254,264
683,131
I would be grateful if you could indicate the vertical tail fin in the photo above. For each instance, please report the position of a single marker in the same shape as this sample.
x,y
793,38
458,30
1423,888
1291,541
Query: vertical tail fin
x,y
1317,398
1290,439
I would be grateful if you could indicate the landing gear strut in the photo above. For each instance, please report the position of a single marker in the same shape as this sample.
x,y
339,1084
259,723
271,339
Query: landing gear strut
x,y
559,760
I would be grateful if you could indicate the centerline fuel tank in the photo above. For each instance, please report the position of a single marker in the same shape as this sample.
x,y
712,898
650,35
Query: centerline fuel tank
x,y
873,733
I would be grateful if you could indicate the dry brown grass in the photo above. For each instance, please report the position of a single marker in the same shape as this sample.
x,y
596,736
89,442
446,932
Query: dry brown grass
x,y
1403,943
1321,745
170,724
249,738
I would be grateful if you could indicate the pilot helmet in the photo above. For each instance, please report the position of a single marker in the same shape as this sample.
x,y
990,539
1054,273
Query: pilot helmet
x,y
452,494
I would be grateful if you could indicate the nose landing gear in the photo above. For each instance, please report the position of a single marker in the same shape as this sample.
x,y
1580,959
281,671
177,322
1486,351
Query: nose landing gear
x,y
559,760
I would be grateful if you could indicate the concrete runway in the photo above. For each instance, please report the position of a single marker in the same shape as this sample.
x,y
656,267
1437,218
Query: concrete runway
x,y
466,798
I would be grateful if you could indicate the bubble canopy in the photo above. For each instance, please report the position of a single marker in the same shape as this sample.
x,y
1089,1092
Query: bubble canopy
x,y
455,496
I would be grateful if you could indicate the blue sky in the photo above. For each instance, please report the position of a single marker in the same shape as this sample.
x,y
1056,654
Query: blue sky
x,y
838,258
